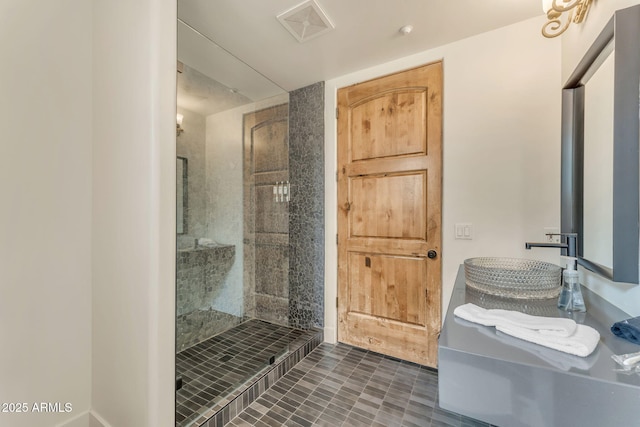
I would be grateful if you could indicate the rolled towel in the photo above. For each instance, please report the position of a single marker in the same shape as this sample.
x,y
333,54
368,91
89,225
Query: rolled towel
x,y
628,329
581,343
495,317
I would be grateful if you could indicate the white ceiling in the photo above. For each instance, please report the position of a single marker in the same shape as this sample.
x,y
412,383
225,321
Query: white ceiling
x,y
366,32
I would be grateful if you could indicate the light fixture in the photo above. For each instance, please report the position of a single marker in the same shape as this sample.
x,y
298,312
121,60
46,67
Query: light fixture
x,y
561,13
179,129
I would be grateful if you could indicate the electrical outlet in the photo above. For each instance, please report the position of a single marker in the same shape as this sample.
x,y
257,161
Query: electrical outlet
x,y
551,235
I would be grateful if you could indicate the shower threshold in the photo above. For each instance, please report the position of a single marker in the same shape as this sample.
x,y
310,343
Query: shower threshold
x,y
221,376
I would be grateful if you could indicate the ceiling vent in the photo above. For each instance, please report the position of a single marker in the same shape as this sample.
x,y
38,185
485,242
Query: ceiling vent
x,y
306,21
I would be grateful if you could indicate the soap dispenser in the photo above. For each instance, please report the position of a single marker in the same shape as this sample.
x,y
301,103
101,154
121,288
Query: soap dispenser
x,y
571,296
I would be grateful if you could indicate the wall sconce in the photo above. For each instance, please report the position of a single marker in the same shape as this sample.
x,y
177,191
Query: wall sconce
x,y
560,14
179,129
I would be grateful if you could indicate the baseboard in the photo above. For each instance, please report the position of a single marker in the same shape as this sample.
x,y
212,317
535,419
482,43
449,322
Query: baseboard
x,y
330,335
86,419
81,420
96,420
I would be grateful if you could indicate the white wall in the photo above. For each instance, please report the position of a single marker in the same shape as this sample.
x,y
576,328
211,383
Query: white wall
x,y
578,38
575,43
45,218
134,71
59,333
501,147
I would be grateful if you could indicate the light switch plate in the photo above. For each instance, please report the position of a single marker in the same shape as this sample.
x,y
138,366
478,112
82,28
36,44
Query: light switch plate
x,y
464,231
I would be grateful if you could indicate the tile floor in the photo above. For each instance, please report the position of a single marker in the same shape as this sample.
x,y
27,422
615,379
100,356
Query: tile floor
x,y
339,385
213,370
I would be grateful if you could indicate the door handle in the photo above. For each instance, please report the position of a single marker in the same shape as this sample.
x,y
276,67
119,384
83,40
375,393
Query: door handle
x,y
432,254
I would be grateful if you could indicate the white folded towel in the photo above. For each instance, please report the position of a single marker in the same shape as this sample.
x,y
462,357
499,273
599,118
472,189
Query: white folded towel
x,y
204,241
556,333
582,343
561,361
495,317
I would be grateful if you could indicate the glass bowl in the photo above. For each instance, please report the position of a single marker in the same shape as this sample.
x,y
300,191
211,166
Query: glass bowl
x,y
513,277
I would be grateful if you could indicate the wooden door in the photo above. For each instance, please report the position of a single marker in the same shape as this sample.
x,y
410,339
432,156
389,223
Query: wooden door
x,y
266,215
389,214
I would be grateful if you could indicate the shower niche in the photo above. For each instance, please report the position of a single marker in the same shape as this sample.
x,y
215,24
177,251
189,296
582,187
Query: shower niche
x,y
237,266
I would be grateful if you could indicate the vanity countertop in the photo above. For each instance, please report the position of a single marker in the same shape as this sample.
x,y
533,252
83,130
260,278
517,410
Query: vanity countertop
x,y
506,381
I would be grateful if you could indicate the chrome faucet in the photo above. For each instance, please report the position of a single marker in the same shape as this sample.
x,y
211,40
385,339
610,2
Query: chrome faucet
x,y
571,244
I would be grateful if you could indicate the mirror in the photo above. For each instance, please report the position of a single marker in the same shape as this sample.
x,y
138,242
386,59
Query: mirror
x,y
232,277
600,131
181,195
598,165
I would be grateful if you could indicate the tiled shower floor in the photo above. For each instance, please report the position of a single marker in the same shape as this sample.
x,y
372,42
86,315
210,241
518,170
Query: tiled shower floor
x,y
340,385
212,370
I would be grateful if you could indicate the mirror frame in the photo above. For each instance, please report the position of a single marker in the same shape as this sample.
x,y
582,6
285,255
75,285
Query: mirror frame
x,y
620,36
185,196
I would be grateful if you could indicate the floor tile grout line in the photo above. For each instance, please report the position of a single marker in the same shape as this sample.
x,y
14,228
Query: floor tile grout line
x,y
298,339
339,360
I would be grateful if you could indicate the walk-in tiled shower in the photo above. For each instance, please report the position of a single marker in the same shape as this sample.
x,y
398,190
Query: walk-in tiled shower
x,y
236,365
250,259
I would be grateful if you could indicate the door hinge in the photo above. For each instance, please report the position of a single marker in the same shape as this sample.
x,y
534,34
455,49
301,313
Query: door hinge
x,y
337,176
336,239
336,302
337,113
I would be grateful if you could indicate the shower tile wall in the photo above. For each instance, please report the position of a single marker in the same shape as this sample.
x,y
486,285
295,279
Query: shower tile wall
x,y
306,209
204,275
201,273
266,218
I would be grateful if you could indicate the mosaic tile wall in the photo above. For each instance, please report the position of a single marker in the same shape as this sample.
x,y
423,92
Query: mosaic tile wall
x,y
306,209
201,272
